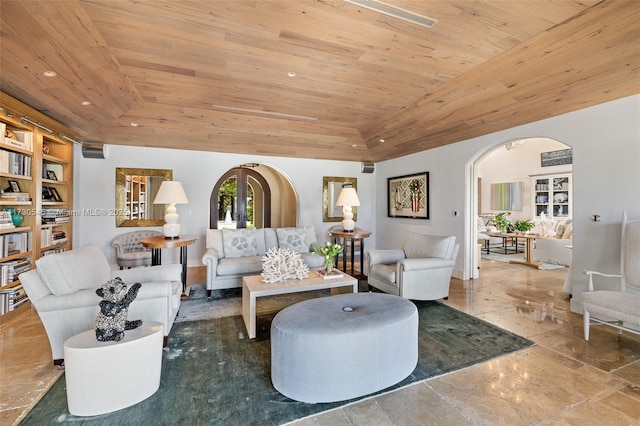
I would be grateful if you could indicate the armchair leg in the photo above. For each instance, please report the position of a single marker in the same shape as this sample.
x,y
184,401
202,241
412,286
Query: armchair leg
x,y
586,325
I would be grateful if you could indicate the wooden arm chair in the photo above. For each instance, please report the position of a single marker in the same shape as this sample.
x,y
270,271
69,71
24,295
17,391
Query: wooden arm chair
x,y
621,308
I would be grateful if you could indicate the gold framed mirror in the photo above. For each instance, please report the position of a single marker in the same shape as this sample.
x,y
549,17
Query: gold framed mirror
x,y
331,186
135,191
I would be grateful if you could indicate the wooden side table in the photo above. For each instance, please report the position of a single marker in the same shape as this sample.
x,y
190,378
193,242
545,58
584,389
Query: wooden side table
x,y
357,235
159,242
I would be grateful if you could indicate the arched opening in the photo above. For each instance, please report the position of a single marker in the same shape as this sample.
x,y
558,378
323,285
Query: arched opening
x,y
518,162
252,195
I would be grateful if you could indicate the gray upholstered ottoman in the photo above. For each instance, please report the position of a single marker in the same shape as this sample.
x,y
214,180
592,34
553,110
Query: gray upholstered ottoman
x,y
342,347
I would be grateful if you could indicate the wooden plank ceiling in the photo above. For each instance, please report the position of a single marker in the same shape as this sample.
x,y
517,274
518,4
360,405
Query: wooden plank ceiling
x,y
213,75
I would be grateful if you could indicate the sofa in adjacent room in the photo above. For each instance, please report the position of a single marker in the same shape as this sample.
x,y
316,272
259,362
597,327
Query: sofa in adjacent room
x,y
234,253
552,248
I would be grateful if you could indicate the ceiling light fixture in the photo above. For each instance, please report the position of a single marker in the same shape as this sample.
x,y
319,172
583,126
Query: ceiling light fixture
x,y
133,124
50,73
261,112
395,12
291,74
85,103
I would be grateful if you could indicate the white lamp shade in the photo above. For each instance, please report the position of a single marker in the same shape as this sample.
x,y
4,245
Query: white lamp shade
x,y
171,192
348,197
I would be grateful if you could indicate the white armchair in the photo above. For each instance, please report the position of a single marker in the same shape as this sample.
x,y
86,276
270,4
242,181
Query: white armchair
x,y
63,287
421,270
619,309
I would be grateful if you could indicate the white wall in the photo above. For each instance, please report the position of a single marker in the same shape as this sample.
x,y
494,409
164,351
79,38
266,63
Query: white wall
x,y
94,189
606,159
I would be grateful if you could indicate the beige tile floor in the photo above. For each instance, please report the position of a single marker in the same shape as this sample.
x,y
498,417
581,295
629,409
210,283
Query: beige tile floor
x,y
561,380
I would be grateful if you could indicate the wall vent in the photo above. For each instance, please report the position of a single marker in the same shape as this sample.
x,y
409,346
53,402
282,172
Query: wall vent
x,y
396,12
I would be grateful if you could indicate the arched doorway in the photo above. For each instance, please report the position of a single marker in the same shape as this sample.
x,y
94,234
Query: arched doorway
x,y
253,195
507,161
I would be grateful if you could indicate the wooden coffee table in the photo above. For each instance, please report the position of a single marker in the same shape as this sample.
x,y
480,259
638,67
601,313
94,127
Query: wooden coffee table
x,y
253,287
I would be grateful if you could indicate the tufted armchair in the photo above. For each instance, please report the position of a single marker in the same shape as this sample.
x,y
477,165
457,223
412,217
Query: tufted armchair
x,y
63,286
421,270
129,251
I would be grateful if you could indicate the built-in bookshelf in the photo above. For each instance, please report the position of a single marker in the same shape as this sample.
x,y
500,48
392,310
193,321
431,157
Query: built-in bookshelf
x,y
36,201
552,194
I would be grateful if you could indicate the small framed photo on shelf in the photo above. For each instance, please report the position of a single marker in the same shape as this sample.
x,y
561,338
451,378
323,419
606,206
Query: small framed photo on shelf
x,y
55,196
46,193
13,186
51,175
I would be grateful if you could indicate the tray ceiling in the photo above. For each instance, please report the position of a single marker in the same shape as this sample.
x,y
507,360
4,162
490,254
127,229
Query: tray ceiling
x,y
315,79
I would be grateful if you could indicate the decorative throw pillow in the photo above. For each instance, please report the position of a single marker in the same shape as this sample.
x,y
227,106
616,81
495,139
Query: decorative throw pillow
x,y
568,232
292,239
560,230
239,242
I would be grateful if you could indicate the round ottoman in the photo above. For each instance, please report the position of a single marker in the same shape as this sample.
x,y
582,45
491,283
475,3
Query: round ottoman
x,y
341,347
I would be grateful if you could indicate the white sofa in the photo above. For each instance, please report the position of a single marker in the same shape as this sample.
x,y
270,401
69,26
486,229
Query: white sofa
x,y
552,248
234,253
63,287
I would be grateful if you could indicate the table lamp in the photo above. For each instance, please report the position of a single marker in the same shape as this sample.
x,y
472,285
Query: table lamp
x,y
171,193
348,198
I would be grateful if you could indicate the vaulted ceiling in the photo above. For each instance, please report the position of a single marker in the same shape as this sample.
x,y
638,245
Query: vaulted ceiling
x,y
316,79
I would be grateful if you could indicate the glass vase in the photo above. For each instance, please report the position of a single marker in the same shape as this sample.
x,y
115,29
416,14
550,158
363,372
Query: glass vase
x,y
328,265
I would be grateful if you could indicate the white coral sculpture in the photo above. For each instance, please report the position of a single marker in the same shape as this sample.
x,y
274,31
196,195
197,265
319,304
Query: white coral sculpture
x,y
283,264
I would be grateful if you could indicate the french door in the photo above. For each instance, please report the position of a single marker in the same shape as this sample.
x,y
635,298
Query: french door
x,y
240,199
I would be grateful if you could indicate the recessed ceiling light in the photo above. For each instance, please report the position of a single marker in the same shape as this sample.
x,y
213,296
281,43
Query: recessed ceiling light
x,y
50,73
134,124
381,140
354,145
291,74
85,103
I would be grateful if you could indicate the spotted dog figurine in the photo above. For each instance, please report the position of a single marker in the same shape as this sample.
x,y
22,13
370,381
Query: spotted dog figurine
x,y
111,321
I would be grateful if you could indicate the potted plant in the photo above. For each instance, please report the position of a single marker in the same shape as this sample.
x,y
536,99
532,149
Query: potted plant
x,y
524,226
502,222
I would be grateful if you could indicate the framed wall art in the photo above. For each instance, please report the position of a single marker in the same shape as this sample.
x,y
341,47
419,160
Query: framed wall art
x,y
556,158
408,196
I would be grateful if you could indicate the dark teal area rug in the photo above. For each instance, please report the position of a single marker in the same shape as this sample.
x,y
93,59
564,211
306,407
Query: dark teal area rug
x,y
212,374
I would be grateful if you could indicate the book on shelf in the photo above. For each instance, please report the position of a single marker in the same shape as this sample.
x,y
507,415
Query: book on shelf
x,y
15,163
15,196
9,271
49,237
15,243
5,219
52,251
11,298
23,139
50,216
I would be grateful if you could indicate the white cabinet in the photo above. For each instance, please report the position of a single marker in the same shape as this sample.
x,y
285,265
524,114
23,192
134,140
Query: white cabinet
x,y
552,194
